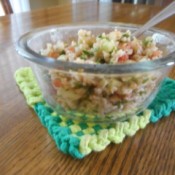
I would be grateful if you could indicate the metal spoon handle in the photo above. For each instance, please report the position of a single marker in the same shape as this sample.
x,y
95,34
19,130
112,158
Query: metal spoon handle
x,y
163,14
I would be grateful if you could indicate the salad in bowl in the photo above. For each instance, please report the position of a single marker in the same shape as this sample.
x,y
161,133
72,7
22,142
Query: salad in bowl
x,y
98,72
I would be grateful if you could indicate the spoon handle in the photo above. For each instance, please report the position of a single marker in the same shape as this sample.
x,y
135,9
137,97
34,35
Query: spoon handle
x,y
163,14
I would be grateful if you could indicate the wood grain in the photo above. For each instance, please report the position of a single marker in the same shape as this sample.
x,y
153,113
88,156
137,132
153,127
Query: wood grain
x,y
25,146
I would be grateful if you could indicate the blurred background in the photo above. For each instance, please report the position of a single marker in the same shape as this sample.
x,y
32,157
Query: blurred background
x,y
17,6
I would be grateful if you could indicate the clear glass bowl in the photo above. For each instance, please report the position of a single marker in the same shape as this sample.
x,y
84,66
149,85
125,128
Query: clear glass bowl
x,y
104,93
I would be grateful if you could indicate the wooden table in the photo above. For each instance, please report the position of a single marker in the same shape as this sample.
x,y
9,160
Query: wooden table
x,y
25,146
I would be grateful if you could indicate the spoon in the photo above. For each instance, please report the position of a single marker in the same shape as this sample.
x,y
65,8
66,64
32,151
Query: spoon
x,y
163,14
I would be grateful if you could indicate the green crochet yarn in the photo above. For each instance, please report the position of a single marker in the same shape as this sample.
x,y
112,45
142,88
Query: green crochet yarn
x,y
79,139
26,81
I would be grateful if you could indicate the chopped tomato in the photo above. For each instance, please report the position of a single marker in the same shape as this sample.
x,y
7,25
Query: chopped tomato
x,y
57,83
71,49
53,54
123,58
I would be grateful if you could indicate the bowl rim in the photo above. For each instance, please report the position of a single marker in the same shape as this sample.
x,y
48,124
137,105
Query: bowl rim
x,y
26,52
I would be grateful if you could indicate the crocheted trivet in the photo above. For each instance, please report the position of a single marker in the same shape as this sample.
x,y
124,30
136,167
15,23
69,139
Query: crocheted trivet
x,y
79,139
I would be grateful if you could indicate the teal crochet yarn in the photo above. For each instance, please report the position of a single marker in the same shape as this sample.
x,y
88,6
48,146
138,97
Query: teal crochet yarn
x,y
62,135
164,103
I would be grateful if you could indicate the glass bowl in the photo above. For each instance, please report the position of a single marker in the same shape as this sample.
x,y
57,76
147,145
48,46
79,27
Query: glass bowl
x,y
103,92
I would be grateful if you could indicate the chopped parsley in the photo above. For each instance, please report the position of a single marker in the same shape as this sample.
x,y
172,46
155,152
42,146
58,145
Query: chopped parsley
x,y
88,53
